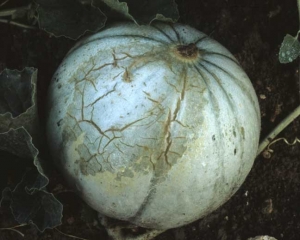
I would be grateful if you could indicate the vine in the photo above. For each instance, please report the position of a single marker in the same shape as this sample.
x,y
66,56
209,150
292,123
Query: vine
x,y
289,51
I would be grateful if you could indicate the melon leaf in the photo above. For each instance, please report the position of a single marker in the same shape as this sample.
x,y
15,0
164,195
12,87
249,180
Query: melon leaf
x,y
31,204
142,11
290,49
19,130
18,102
69,18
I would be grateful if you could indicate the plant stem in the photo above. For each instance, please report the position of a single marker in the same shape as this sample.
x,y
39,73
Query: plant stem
x,y
298,5
16,24
2,4
12,11
278,128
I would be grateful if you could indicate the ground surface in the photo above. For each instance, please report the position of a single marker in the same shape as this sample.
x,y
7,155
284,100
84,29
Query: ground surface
x,y
268,201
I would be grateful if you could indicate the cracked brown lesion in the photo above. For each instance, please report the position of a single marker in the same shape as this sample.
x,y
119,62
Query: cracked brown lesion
x,y
168,139
112,141
101,97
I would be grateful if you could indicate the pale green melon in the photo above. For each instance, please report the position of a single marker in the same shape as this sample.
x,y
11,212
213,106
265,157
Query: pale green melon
x,y
156,125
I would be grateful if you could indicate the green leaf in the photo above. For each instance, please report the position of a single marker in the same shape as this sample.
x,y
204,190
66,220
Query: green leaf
x,y
289,50
31,204
15,91
18,142
144,11
18,102
29,201
69,18
120,7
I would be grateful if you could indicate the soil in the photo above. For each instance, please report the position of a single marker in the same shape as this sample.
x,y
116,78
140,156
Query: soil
x,y
268,203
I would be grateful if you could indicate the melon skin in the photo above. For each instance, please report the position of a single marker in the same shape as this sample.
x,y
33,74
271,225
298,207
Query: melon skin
x,y
149,134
